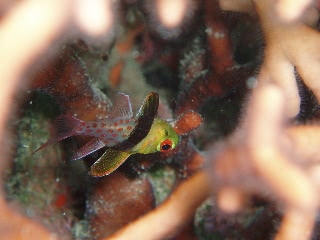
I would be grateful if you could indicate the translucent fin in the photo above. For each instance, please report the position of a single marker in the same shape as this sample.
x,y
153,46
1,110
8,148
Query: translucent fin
x,y
121,107
63,127
108,162
90,147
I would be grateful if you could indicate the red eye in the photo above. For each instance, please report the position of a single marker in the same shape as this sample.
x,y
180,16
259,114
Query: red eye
x,y
166,145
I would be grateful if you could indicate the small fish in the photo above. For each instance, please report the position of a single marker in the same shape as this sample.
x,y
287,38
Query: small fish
x,y
122,133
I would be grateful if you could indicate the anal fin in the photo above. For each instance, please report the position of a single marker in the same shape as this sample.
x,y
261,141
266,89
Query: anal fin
x,y
108,162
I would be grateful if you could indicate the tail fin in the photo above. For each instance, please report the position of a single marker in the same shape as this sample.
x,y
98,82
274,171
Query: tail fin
x,y
63,127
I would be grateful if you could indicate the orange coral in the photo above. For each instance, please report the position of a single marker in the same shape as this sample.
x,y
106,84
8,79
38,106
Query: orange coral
x,y
37,36
71,87
20,49
287,46
271,163
179,208
266,156
202,80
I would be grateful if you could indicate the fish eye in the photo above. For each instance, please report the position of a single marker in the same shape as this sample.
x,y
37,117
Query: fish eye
x,y
165,145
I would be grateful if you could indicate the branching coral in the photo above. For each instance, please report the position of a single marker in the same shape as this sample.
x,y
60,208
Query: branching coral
x,y
289,45
179,208
213,73
36,40
71,87
49,20
265,157
272,164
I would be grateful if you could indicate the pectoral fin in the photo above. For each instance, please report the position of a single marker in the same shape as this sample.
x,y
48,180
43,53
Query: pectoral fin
x,y
108,162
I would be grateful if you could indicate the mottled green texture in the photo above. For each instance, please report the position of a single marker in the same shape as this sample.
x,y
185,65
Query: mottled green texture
x,y
108,162
36,182
201,222
163,180
160,131
252,222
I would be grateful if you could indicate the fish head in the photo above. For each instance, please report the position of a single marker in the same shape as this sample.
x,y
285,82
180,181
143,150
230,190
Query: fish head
x,y
161,138
168,140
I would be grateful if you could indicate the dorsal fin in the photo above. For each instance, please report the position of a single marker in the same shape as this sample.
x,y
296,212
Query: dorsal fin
x,y
149,107
121,107
147,113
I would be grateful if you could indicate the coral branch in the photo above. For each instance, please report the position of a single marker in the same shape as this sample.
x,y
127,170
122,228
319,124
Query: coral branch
x,y
270,158
290,11
171,215
286,11
187,122
202,80
95,18
171,13
37,37
236,5
71,87
287,48
39,32
14,226
116,201
28,30
296,225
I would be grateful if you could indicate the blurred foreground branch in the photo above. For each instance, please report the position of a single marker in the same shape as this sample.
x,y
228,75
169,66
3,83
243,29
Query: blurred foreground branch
x,y
265,157
28,30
